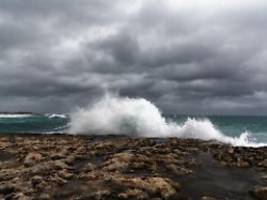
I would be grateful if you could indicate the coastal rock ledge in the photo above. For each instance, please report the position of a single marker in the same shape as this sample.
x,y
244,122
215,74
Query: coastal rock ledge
x,y
116,167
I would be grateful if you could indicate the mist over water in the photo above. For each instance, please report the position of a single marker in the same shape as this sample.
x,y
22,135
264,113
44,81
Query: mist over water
x,y
140,117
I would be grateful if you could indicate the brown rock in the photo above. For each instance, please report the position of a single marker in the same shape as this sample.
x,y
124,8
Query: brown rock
x,y
65,174
59,164
7,189
36,180
134,194
263,163
260,193
118,161
32,158
243,164
163,186
20,196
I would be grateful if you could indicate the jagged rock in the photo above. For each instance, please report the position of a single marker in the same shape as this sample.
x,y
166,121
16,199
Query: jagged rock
x,y
118,161
89,167
164,187
32,158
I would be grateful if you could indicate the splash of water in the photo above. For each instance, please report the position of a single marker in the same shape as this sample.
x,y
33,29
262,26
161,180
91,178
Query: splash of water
x,y
140,117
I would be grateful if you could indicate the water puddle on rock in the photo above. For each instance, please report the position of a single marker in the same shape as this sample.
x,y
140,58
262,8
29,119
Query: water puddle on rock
x,y
212,179
5,156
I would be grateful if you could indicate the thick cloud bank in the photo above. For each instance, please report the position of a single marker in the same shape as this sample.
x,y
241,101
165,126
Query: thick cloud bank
x,y
139,117
209,56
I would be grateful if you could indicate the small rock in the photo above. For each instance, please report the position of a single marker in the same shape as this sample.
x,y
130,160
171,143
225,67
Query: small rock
x,y
44,196
161,185
207,198
241,163
70,160
260,193
36,180
17,196
32,158
57,156
59,164
230,150
263,163
133,194
65,174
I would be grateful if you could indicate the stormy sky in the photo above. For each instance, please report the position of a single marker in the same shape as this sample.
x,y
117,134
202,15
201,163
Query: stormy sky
x,y
188,57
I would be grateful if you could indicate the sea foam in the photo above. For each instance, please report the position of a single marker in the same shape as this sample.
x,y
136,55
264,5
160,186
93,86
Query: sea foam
x,y
139,117
15,115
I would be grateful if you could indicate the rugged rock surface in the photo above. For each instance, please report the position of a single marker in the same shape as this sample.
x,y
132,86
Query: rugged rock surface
x,y
112,167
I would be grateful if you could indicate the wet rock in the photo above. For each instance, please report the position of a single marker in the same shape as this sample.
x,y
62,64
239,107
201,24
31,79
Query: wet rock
x,y
208,198
32,158
36,180
260,193
109,167
178,170
57,156
7,188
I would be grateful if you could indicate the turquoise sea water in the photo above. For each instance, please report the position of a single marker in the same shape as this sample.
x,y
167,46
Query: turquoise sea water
x,y
27,123
232,126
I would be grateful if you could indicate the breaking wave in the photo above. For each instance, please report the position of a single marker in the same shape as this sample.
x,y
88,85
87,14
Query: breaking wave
x,y
15,115
51,116
140,117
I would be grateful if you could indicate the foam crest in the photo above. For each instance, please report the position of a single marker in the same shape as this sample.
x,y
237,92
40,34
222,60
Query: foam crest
x,y
15,115
55,115
140,117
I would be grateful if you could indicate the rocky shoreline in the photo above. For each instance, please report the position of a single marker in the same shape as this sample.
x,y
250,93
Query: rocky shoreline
x,y
117,167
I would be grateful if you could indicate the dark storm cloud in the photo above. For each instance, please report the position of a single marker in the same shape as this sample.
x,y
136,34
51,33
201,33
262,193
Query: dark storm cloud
x,y
187,57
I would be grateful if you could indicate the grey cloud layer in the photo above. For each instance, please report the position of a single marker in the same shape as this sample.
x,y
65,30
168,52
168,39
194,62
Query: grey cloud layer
x,y
55,55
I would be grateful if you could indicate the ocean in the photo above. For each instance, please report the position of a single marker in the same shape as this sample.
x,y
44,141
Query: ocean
x,y
114,115
232,126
